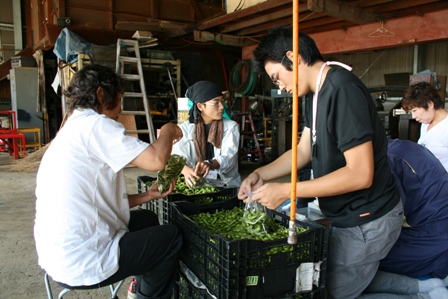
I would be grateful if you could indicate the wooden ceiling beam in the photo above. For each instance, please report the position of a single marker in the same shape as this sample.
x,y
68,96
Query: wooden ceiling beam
x,y
416,10
266,6
267,18
431,27
224,39
263,27
196,10
165,29
344,11
402,5
413,30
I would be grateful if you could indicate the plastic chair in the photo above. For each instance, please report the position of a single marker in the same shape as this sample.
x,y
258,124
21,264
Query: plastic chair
x,y
113,289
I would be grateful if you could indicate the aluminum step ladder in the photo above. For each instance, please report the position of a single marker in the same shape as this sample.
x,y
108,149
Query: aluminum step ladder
x,y
245,120
124,66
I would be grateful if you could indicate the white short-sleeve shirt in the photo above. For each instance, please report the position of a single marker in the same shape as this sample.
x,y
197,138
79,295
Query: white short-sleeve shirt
x,y
436,140
82,208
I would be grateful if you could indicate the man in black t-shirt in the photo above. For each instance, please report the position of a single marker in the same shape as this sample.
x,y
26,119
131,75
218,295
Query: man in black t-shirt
x,y
346,144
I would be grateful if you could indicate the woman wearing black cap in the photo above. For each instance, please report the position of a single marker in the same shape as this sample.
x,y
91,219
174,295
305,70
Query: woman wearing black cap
x,y
210,142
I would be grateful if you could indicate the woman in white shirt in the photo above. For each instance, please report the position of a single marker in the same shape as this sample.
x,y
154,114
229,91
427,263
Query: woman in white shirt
x,y
428,108
84,230
210,142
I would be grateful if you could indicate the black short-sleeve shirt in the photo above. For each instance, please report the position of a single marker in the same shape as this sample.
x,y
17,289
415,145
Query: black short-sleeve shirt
x,y
347,117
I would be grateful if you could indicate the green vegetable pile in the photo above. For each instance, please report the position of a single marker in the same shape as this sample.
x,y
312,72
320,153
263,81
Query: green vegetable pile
x,y
171,171
183,188
228,223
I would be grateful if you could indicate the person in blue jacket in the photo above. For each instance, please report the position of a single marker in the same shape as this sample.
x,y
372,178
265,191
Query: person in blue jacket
x,y
422,247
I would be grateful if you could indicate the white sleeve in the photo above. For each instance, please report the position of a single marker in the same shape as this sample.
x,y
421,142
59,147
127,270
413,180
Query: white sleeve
x,y
229,149
110,143
185,146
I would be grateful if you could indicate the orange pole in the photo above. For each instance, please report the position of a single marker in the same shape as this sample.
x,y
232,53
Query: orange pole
x,y
295,121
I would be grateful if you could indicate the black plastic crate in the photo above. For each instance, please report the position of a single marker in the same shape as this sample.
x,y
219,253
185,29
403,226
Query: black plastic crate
x,y
184,289
142,183
221,195
160,205
243,269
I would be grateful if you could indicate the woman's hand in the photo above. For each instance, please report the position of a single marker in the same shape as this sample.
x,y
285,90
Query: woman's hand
x,y
202,169
190,176
153,192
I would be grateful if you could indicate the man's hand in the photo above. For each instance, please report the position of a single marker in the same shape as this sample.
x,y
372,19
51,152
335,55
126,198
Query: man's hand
x,y
272,195
251,183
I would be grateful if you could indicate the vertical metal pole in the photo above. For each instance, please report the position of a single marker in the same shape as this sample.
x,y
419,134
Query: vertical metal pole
x,y
292,236
17,19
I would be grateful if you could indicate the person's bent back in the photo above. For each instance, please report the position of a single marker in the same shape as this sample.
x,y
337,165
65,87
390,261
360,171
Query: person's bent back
x,y
422,248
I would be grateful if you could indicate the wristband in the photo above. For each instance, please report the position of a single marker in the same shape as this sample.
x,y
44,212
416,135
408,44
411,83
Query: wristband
x,y
209,162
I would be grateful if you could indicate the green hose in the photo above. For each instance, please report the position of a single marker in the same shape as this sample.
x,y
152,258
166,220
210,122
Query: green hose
x,y
246,86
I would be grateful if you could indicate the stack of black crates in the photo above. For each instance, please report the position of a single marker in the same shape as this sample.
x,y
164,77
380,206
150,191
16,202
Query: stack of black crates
x,y
239,269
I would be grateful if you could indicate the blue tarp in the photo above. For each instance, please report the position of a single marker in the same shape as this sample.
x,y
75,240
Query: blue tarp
x,y
69,44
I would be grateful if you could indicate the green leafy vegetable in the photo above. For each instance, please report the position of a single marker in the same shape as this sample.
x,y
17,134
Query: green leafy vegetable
x,y
171,171
182,187
255,219
228,224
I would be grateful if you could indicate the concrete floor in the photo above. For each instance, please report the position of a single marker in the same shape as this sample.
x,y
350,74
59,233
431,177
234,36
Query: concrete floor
x,y
20,275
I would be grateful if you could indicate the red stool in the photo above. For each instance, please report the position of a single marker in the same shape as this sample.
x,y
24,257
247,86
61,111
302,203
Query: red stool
x,y
16,137
10,132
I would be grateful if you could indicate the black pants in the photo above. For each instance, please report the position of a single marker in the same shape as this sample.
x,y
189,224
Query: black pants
x,y
151,253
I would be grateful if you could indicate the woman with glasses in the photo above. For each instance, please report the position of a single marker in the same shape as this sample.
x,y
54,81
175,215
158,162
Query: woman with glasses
x,y
210,141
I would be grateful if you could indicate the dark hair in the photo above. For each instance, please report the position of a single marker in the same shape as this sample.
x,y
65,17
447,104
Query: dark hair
x,y
277,41
81,92
419,95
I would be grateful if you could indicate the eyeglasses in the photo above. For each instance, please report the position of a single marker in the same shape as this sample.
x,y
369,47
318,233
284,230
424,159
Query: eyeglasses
x,y
216,103
275,77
